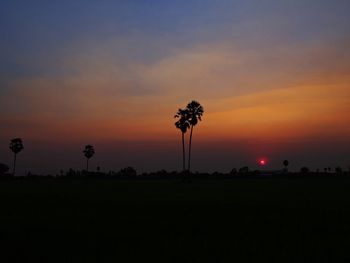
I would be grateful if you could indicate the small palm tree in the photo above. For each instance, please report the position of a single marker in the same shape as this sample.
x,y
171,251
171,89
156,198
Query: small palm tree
x,y
286,163
88,152
16,145
195,112
182,124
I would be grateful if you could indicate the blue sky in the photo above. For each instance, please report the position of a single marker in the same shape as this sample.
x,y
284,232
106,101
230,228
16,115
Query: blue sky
x,y
32,28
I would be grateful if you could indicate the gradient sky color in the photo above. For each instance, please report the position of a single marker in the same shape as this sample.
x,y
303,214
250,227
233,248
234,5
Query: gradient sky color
x,y
273,77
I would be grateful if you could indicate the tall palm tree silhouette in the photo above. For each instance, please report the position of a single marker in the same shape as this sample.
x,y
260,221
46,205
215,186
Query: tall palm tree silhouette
x,y
195,112
88,152
16,145
182,124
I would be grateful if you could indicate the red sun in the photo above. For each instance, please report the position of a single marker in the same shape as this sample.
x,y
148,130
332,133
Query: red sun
x,y
262,162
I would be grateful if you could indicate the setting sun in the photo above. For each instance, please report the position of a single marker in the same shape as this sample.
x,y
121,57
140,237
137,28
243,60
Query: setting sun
x,y
262,162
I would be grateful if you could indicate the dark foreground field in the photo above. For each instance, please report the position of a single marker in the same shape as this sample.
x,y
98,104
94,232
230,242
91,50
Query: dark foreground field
x,y
227,220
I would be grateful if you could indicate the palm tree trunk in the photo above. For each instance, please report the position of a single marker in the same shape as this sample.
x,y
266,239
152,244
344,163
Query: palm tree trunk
x,y
183,153
14,165
87,164
189,150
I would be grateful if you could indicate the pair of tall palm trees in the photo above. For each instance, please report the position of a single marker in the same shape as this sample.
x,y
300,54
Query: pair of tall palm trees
x,y
187,119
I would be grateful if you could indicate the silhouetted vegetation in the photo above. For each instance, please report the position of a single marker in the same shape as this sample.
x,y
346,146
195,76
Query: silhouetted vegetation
x,y
89,151
182,124
244,170
304,170
338,170
128,171
131,173
286,163
188,118
194,115
16,145
3,169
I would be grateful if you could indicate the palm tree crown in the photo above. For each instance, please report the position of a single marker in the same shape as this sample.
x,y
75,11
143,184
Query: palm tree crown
x,y
16,145
195,112
89,151
183,122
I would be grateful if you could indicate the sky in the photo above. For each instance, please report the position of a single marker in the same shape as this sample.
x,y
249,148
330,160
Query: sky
x,y
273,78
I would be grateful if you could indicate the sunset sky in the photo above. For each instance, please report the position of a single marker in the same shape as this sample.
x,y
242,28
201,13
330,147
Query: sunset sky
x,y
273,77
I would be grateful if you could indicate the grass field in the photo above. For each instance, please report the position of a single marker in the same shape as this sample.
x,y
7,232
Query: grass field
x,y
207,220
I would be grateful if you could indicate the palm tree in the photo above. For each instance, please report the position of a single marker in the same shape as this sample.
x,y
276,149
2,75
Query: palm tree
x,y
16,145
195,112
88,152
286,163
182,124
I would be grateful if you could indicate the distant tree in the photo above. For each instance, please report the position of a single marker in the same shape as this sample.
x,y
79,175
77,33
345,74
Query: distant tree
x,y
88,152
16,145
3,168
243,169
338,170
195,112
304,170
182,124
286,163
128,171
233,171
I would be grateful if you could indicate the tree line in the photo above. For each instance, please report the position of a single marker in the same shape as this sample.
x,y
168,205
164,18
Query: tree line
x,y
187,118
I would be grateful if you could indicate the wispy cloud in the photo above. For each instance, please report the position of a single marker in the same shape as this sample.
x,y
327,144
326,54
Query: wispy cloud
x,y
239,87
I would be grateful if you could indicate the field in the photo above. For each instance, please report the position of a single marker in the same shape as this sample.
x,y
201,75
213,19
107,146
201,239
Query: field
x,y
159,220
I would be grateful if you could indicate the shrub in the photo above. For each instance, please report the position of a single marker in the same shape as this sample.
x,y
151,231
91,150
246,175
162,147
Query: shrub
x,y
3,168
304,170
128,171
338,170
244,169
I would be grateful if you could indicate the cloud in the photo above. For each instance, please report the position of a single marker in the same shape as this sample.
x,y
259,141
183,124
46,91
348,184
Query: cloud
x,y
299,112
290,90
223,70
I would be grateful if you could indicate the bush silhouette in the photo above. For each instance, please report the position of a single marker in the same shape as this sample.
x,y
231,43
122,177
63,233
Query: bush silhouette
x,y
3,169
243,169
338,170
304,170
128,171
